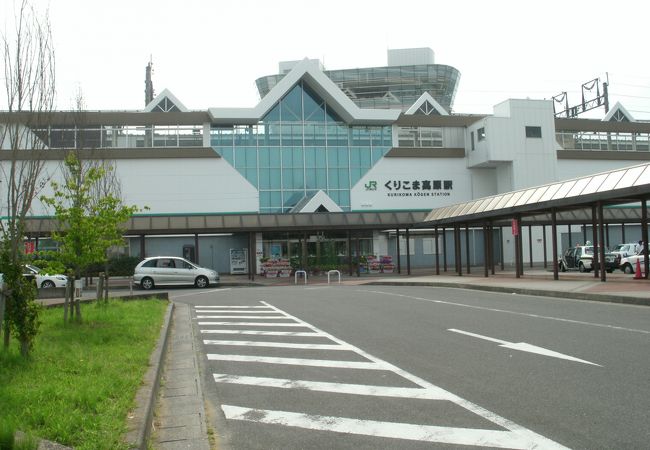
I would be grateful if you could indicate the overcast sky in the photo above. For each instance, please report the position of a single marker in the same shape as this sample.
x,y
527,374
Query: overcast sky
x,y
209,53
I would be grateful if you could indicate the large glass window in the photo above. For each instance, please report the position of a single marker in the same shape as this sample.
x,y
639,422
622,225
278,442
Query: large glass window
x,y
419,137
301,146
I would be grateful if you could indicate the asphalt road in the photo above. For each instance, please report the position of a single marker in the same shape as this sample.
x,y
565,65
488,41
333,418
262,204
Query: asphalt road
x,y
370,367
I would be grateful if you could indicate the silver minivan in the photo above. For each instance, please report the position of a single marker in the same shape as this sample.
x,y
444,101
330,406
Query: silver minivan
x,y
172,270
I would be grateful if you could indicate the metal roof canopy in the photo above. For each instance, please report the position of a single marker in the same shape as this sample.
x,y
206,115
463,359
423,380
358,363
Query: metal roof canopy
x,y
231,223
569,198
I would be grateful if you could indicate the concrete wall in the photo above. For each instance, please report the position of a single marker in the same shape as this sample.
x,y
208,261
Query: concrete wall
x,y
214,251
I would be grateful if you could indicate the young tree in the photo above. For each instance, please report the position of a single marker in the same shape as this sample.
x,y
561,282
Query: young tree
x,y
28,58
88,225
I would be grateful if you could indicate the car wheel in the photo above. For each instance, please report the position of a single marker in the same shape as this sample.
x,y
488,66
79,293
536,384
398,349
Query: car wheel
x,y
562,267
610,270
627,268
581,268
147,283
47,284
201,282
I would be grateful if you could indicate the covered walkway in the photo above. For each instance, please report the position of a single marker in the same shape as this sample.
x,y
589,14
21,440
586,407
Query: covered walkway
x,y
611,197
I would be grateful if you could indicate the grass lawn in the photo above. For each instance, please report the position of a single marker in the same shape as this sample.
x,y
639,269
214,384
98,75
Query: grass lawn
x,y
81,380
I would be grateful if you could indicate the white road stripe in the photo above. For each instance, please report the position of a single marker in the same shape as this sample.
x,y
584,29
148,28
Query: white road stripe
x,y
476,409
338,388
234,306
202,292
525,347
265,333
241,317
233,311
257,324
516,313
485,338
426,433
298,361
278,345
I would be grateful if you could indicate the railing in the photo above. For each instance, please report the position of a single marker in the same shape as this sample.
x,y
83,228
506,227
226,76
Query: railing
x,y
128,136
603,141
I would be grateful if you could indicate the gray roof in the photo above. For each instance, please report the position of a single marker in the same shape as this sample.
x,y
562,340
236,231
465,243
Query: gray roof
x,y
616,186
230,223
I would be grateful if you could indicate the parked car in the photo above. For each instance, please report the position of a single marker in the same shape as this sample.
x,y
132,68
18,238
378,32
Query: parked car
x,y
628,265
581,258
625,250
172,270
41,279
44,280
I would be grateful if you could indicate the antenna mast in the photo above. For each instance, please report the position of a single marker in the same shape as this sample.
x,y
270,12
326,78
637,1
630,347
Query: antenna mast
x,y
148,84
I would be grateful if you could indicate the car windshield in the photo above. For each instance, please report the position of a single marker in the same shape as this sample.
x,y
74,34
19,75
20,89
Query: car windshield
x,y
33,268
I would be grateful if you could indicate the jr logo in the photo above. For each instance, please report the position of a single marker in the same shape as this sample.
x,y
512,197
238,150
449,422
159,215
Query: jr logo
x,y
371,186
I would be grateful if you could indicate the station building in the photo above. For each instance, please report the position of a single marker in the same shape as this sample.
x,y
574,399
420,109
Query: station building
x,y
353,144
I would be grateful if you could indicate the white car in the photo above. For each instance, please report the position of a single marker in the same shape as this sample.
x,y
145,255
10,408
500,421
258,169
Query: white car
x,y
44,280
628,265
625,250
172,270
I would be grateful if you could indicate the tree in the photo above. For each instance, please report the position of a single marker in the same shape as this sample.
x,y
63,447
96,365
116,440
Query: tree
x,y
29,85
88,224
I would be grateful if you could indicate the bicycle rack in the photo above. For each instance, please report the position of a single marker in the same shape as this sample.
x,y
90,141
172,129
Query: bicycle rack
x,y
333,271
296,276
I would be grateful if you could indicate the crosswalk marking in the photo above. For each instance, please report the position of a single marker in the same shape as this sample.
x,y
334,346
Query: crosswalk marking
x,y
233,311
297,361
513,435
278,345
241,317
426,433
338,388
265,333
257,324
229,307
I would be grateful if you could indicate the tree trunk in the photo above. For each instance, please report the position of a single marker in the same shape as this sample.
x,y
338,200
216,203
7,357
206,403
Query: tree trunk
x,y
106,282
7,335
2,310
68,289
77,305
24,348
7,328
100,286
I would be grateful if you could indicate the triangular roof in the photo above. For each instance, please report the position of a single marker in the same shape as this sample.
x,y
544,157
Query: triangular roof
x,y
617,113
318,202
321,84
426,98
164,99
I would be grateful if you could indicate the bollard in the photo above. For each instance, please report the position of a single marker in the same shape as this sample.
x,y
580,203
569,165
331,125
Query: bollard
x,y
331,272
296,276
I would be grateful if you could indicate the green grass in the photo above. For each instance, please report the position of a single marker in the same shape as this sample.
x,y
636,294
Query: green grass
x,y
80,381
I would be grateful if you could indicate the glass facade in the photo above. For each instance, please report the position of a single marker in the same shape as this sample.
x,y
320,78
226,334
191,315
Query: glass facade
x,y
394,87
300,147
121,136
419,137
603,141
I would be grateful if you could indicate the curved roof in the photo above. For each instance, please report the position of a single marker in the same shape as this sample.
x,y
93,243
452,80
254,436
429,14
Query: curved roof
x,y
616,186
321,84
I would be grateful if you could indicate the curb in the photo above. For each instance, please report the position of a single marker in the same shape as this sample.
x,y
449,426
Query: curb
x,y
156,296
608,298
140,420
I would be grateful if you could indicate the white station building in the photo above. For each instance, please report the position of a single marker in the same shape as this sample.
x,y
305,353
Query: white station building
x,y
352,144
